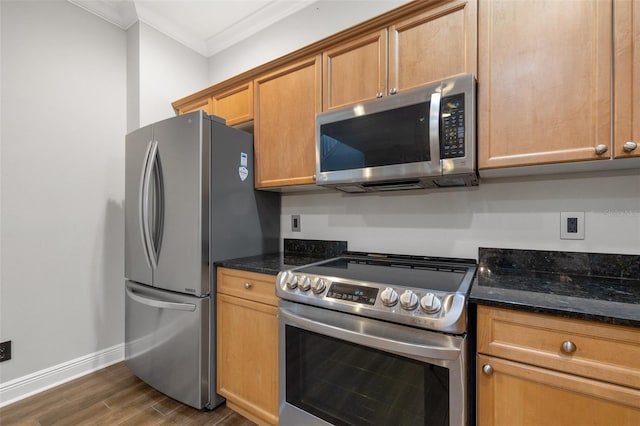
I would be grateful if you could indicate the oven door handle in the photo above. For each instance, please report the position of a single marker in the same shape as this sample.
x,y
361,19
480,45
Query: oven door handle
x,y
375,334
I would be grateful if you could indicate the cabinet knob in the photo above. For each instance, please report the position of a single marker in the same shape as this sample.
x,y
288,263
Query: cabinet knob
x,y
247,285
629,146
487,369
379,95
394,91
601,149
568,347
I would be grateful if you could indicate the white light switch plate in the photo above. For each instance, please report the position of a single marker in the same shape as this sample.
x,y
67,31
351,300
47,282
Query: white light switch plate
x,y
567,221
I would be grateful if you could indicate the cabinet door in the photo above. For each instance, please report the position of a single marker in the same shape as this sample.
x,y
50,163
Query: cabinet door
x,y
436,44
248,357
519,394
355,71
627,78
203,104
544,81
286,105
235,105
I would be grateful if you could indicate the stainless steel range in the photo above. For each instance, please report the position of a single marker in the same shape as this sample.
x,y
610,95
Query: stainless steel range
x,y
374,339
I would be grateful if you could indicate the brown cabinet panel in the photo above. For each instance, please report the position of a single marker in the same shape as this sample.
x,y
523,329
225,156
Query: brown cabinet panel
x,y
436,44
247,344
519,394
248,355
355,71
601,351
537,369
544,92
286,105
247,285
235,105
627,77
203,104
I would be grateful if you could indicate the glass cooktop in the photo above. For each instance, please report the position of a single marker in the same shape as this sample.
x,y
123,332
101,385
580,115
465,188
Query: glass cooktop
x,y
439,274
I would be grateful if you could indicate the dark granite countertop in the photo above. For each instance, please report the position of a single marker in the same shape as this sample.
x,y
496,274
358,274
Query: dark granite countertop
x,y
600,287
269,263
296,253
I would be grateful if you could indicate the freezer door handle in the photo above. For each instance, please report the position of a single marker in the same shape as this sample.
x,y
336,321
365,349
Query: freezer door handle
x,y
159,303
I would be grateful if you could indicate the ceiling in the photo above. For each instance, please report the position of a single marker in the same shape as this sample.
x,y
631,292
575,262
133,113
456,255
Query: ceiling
x,y
206,26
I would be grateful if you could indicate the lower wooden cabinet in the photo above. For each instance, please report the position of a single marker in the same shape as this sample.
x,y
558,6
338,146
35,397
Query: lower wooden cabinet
x,y
248,344
535,369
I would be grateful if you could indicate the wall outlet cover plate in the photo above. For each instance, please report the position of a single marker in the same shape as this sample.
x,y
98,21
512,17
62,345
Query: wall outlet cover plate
x,y
572,225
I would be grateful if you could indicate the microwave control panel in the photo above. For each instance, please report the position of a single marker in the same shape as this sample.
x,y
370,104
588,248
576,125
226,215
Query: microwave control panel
x,y
452,136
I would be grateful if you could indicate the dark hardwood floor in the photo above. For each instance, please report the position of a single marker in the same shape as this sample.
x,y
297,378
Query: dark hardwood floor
x,y
111,396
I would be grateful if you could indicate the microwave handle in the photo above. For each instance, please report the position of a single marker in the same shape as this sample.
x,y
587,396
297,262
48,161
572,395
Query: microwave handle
x,y
434,126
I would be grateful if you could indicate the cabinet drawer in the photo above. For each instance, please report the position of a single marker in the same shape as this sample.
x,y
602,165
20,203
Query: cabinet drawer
x,y
600,351
248,285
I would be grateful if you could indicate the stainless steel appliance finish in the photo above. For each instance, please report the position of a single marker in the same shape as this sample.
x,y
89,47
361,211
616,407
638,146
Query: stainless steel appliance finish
x,y
422,138
189,202
169,329
374,339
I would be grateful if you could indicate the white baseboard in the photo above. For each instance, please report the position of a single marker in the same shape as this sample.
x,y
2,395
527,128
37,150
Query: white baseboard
x,y
28,385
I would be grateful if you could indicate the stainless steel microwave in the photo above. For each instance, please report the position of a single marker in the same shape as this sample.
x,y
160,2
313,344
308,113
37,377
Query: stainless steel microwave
x,y
422,138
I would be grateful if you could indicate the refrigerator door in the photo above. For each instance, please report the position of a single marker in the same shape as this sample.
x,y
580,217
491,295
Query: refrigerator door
x,y
244,222
137,265
183,147
167,342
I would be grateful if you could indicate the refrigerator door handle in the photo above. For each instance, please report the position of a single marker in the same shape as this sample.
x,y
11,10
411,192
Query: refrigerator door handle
x,y
144,204
161,304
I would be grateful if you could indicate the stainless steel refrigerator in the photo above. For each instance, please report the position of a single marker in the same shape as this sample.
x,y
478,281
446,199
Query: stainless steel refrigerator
x,y
189,202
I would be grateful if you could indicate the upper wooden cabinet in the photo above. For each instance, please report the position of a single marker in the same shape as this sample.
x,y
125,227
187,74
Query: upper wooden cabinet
x,y
355,71
435,44
544,81
203,104
627,78
234,105
286,103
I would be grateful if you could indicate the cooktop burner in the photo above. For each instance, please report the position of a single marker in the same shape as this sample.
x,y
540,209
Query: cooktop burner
x,y
425,292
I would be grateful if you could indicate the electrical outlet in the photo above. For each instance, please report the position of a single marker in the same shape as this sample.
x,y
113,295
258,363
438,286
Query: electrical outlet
x,y
295,223
5,351
572,225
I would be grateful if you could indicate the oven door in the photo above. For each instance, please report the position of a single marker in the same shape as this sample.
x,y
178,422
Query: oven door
x,y
342,369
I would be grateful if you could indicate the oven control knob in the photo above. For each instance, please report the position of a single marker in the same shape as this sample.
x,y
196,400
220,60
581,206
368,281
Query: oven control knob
x,y
292,282
408,300
318,286
389,297
305,285
430,304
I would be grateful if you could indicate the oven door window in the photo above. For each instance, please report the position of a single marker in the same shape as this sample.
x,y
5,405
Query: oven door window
x,y
396,136
348,384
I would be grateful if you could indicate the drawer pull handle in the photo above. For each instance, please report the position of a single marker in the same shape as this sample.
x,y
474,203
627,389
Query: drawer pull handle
x,y
487,369
568,347
247,285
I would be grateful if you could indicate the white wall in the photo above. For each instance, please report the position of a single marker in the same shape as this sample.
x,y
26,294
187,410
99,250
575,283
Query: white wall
x,y
522,213
63,121
167,71
313,23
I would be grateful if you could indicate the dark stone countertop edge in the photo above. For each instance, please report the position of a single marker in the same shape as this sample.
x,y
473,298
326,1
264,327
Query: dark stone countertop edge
x,y
270,264
584,309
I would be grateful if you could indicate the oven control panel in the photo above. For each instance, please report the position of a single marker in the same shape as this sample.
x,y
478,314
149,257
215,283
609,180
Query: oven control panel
x,y
353,293
417,307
